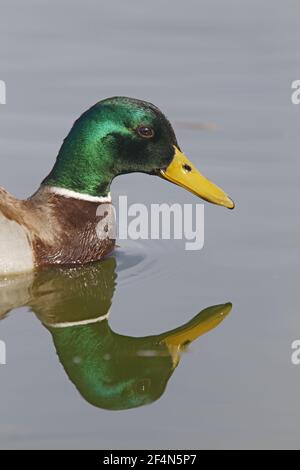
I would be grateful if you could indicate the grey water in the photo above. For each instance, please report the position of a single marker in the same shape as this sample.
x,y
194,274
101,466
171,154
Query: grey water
x,y
222,73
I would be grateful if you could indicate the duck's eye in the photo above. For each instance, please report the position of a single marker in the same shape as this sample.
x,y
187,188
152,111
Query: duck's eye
x,y
145,131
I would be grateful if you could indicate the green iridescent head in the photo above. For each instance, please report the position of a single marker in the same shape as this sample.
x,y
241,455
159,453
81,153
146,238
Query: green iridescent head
x,y
116,136
123,135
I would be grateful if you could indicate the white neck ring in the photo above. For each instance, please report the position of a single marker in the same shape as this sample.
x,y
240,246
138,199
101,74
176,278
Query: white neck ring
x,y
75,195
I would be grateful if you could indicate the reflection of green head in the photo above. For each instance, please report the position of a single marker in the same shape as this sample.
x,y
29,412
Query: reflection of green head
x,y
113,371
110,371
120,372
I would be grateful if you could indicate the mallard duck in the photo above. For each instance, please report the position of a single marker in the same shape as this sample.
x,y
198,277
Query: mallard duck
x,y
109,370
57,225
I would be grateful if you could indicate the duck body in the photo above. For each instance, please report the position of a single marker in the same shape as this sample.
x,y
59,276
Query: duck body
x,y
59,224
51,228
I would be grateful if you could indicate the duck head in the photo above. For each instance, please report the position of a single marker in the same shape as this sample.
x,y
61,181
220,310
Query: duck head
x,y
123,135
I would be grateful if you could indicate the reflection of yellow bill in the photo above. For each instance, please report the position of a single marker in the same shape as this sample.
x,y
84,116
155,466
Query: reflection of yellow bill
x,y
201,324
183,173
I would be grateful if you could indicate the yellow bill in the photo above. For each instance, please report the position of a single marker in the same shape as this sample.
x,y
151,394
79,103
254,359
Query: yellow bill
x,y
183,173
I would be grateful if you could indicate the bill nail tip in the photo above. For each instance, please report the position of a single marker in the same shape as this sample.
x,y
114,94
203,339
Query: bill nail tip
x,y
232,205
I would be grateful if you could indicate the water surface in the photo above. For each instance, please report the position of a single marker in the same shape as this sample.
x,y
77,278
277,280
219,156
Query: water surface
x,y
224,64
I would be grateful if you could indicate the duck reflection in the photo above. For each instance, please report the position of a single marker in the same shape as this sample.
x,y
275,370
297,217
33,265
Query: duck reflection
x,y
110,370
